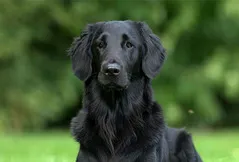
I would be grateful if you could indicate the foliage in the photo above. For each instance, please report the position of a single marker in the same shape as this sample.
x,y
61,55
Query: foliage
x,y
199,83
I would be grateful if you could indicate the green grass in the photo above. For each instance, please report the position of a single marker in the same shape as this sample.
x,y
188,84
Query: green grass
x,y
60,147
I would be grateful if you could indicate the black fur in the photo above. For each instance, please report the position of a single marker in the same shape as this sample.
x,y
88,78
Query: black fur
x,y
123,122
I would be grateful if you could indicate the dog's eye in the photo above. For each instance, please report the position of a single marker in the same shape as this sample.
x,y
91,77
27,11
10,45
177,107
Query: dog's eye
x,y
100,45
128,44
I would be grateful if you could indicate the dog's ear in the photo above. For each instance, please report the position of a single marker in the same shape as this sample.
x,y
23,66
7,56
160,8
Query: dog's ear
x,y
154,51
81,55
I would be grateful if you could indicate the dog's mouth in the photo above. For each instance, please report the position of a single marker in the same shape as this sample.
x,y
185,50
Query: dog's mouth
x,y
114,86
113,83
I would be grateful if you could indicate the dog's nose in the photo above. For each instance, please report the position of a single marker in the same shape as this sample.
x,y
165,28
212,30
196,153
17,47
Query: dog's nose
x,y
112,69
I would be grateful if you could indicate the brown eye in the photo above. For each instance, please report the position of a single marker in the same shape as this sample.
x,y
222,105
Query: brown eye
x,y
129,45
100,45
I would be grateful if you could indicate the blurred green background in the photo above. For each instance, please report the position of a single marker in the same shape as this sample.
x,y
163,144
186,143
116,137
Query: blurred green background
x,y
198,86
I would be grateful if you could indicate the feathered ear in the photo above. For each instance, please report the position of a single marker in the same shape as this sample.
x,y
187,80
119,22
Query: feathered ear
x,y
81,55
154,54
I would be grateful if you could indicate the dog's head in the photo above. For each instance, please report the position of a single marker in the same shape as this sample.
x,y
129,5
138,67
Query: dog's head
x,y
116,53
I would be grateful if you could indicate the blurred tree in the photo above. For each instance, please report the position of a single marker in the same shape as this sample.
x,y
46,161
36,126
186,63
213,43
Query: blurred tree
x,y
199,83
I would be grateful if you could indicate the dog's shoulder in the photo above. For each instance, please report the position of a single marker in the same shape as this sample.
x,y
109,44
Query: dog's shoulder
x,y
76,124
181,145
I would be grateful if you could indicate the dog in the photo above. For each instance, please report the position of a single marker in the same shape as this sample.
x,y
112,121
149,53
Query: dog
x,y
117,60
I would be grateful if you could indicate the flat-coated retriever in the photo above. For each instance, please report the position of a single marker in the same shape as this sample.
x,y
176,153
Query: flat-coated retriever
x,y
117,61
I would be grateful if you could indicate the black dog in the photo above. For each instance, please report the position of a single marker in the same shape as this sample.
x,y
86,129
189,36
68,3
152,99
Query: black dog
x,y
117,60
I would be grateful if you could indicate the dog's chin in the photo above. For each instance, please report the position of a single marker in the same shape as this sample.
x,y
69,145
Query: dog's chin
x,y
109,85
114,86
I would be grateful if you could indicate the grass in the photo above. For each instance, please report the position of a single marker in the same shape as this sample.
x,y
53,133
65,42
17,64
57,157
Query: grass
x,y
60,147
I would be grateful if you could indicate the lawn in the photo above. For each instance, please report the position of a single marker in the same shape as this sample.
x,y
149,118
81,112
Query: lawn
x,y
60,147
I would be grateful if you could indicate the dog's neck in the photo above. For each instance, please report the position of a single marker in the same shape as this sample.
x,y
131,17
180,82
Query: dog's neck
x,y
99,99
116,114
